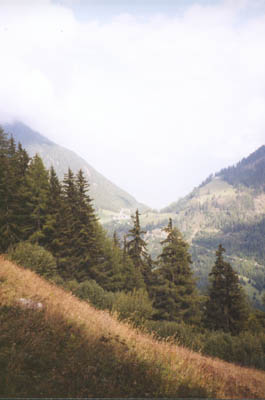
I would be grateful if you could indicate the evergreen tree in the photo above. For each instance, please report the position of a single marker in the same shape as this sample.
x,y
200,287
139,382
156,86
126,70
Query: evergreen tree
x,y
174,291
136,248
13,167
36,198
79,241
116,241
107,269
7,235
66,254
226,307
54,214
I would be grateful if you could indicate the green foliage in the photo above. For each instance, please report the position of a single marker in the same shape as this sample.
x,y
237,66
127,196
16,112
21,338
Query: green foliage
x,y
248,172
174,292
91,291
136,247
34,257
36,197
246,349
226,307
13,168
134,306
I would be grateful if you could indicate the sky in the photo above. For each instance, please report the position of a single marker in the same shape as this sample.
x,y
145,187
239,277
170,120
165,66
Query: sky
x,y
154,94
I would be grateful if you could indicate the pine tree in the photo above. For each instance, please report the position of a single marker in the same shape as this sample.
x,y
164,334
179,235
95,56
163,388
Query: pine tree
x,y
36,198
88,233
79,237
7,233
13,166
226,307
54,215
66,253
174,291
136,248
116,241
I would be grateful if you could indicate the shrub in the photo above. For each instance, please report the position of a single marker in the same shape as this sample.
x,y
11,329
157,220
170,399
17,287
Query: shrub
x,y
183,334
135,306
90,290
247,349
34,257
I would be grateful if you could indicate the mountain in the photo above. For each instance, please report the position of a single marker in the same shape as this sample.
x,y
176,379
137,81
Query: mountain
x,y
108,198
227,208
249,172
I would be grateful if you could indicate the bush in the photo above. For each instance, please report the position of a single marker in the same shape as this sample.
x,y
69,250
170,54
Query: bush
x,y
34,257
247,349
183,334
90,290
134,306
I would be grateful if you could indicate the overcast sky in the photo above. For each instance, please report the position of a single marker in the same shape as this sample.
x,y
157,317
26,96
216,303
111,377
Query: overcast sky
x,y
154,94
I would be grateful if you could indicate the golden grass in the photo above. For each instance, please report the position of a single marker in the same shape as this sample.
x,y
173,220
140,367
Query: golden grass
x,y
178,367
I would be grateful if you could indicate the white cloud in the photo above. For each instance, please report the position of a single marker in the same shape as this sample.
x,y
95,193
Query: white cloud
x,y
155,104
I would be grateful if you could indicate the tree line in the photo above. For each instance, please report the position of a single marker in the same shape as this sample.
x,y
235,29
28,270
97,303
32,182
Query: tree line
x,y
36,208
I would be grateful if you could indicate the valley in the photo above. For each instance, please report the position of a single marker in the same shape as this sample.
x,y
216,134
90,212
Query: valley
x,y
228,208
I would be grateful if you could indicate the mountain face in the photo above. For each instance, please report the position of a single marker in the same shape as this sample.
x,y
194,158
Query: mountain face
x,y
249,172
227,208
108,198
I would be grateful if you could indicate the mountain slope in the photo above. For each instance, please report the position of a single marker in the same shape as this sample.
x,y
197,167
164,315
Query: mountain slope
x,y
53,345
227,208
106,195
249,172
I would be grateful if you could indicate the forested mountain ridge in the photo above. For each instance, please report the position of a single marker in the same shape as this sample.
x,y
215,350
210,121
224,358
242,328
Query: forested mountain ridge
x,y
249,171
106,195
227,208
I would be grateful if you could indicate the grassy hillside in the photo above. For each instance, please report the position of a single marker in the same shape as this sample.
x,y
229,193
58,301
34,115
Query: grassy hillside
x,y
106,195
53,345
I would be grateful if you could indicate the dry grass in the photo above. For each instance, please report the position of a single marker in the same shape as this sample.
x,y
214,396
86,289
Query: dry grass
x,y
155,369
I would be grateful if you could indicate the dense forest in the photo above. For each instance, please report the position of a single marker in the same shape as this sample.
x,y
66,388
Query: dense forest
x,y
249,171
51,227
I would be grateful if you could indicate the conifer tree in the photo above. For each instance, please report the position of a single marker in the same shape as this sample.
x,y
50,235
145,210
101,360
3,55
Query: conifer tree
x,y
66,254
116,241
136,248
13,167
54,215
174,292
226,308
79,240
7,233
88,233
35,198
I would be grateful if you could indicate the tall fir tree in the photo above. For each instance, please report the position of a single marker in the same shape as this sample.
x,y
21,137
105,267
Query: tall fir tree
x,y
54,215
66,254
13,167
226,307
174,291
88,235
136,247
36,198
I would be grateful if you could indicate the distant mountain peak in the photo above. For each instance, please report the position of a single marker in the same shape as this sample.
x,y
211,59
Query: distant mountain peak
x,y
24,134
106,195
249,171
